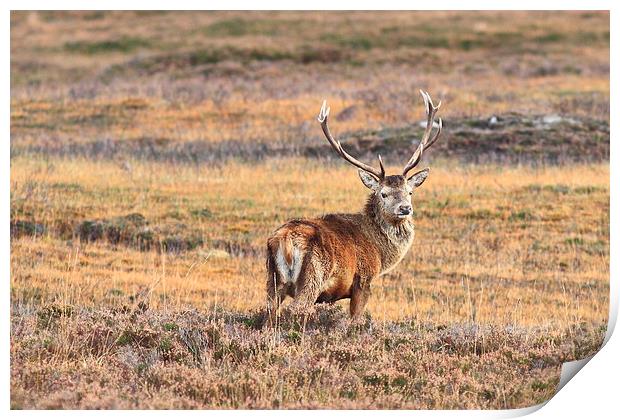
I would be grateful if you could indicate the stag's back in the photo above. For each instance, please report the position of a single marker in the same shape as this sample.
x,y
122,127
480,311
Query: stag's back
x,y
335,247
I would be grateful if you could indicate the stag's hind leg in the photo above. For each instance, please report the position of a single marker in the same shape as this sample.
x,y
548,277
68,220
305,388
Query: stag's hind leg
x,y
309,285
277,291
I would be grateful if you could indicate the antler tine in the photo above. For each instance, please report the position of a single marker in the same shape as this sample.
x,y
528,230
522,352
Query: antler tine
x,y
436,136
431,110
322,118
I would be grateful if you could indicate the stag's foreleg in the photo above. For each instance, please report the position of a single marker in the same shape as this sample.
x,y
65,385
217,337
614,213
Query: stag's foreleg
x,y
360,292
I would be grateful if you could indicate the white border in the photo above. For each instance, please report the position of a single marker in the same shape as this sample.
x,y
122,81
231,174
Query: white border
x,y
594,390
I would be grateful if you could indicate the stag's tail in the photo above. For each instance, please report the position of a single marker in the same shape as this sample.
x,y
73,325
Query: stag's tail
x,y
285,256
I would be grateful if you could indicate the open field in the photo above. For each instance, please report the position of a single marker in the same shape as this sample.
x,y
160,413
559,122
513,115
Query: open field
x,y
501,236
501,256
153,153
182,359
198,86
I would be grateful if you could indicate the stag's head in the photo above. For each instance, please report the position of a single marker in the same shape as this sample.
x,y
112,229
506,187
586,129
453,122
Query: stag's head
x,y
393,192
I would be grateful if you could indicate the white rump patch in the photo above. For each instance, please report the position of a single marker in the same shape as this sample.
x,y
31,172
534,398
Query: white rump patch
x,y
289,273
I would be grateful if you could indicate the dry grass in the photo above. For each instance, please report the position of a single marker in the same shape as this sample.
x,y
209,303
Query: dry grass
x,y
188,359
219,77
507,278
137,272
489,240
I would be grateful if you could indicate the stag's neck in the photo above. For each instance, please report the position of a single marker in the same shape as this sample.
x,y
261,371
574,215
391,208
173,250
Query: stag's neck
x,y
394,237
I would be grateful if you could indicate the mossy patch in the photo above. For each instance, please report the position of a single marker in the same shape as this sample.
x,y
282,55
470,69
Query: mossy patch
x,y
134,230
123,45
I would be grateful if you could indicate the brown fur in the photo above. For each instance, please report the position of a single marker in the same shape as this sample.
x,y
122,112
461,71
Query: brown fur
x,y
339,254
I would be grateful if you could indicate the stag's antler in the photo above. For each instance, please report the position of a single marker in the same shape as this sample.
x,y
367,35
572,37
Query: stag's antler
x,y
323,114
431,110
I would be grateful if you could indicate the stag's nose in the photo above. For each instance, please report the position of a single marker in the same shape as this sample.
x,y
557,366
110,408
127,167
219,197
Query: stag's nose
x,y
405,210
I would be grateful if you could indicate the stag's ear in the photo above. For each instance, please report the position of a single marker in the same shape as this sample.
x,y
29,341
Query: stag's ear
x,y
368,180
418,178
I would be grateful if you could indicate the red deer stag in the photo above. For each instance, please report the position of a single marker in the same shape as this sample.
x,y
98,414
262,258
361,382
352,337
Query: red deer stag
x,y
337,256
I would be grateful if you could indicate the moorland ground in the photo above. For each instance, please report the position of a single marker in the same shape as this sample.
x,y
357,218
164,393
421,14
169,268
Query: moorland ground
x,y
153,153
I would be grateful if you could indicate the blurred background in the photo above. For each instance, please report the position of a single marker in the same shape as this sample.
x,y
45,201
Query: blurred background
x,y
188,86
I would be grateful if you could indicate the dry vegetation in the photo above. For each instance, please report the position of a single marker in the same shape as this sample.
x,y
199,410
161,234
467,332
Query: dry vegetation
x,y
153,153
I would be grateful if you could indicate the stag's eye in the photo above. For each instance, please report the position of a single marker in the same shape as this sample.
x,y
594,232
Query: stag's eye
x,y
384,195
410,192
